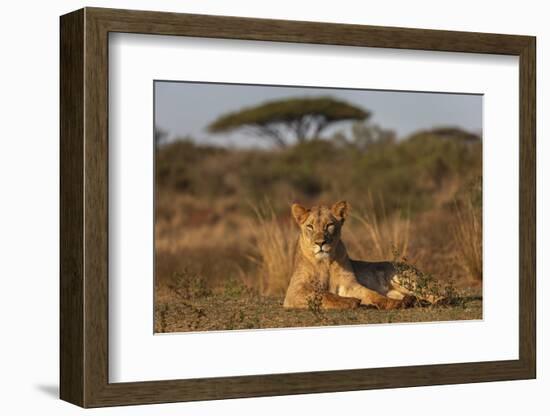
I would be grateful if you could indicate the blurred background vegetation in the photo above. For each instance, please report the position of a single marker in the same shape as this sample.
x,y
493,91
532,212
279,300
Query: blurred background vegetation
x,y
222,212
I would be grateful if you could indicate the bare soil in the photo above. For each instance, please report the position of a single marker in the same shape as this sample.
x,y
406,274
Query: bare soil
x,y
222,312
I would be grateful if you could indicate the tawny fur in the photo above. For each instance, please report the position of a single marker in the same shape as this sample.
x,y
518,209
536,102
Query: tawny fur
x,y
323,269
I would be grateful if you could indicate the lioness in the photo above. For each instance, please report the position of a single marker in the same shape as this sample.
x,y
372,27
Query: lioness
x,y
323,268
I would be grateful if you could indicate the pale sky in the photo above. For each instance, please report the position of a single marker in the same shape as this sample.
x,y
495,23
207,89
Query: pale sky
x,y
186,108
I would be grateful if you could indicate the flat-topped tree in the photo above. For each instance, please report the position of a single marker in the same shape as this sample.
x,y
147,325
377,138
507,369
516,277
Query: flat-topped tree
x,y
281,121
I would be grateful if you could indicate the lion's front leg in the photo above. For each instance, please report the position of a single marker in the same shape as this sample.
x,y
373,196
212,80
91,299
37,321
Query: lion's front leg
x,y
331,301
373,298
303,296
305,291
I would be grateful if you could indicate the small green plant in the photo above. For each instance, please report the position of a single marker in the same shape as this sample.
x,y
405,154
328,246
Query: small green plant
x,y
424,286
315,300
189,285
234,288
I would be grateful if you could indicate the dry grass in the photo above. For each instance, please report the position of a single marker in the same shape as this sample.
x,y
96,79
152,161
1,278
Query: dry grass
x,y
379,235
467,234
274,243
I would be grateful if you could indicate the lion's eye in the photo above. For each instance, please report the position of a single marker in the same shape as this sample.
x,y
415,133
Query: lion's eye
x,y
330,228
309,227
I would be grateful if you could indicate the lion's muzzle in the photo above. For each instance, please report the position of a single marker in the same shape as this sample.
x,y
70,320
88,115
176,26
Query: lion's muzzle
x,y
321,249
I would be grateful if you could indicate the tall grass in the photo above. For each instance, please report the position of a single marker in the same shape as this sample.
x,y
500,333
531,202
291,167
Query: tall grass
x,y
275,243
385,234
468,237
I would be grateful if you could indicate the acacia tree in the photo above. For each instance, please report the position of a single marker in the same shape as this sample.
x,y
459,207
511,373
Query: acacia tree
x,y
281,121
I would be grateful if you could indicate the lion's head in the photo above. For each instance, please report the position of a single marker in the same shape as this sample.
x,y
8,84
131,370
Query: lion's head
x,y
320,227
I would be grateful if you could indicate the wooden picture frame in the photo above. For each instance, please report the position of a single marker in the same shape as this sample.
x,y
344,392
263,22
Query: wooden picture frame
x,y
84,207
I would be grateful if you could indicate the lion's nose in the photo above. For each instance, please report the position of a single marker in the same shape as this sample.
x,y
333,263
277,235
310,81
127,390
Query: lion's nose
x,y
320,242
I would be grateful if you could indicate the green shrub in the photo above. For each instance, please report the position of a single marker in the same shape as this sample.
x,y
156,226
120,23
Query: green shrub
x,y
407,173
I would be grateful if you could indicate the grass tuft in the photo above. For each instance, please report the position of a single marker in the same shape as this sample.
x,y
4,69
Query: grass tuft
x,y
315,300
385,233
467,234
275,243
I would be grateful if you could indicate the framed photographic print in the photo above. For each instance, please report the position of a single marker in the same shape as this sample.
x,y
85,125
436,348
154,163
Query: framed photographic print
x,y
255,207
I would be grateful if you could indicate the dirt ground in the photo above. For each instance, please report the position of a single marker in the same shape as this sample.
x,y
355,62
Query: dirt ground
x,y
249,311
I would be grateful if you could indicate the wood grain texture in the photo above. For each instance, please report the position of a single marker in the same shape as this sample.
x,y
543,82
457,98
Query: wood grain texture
x,y
72,215
96,218
84,207
226,27
527,208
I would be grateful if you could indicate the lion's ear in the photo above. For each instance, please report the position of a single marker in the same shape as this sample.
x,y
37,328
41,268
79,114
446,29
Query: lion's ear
x,y
341,210
299,213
